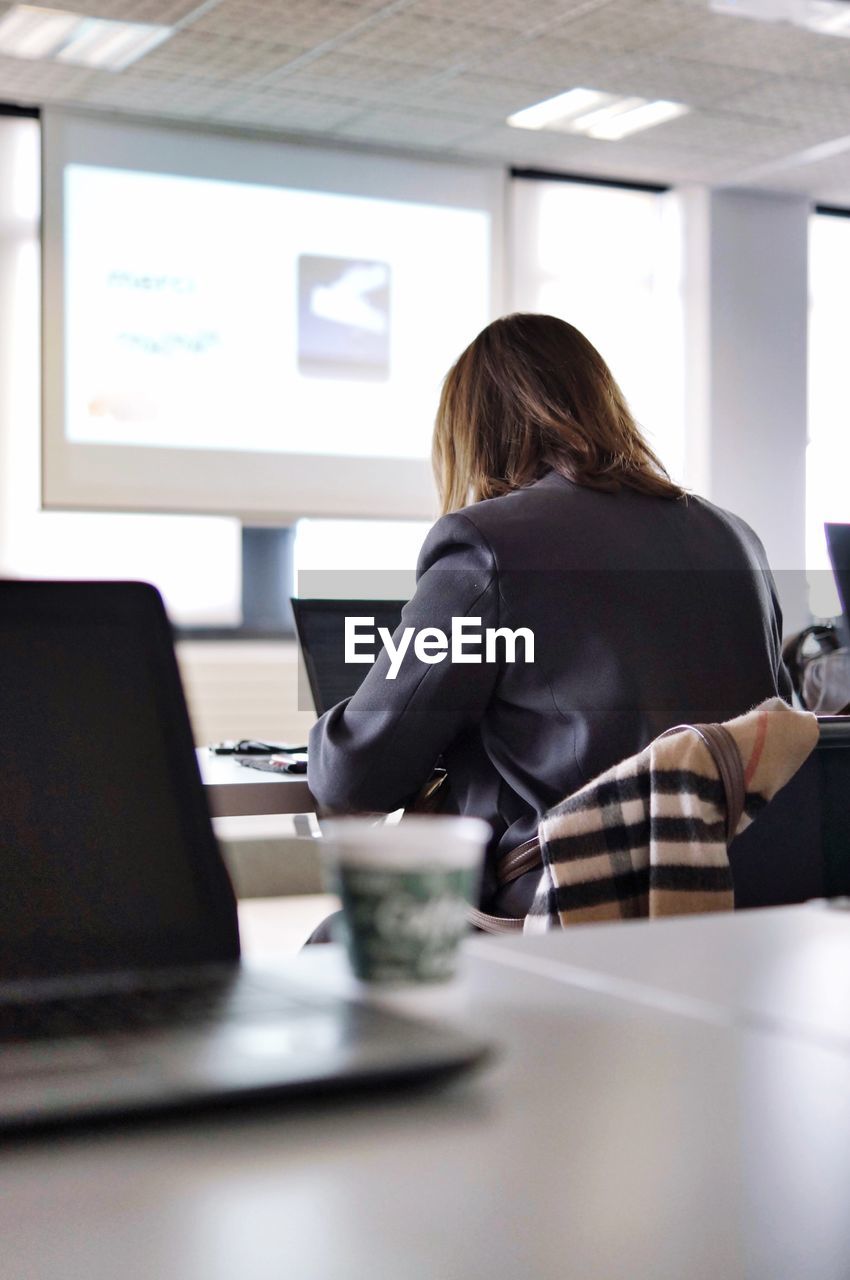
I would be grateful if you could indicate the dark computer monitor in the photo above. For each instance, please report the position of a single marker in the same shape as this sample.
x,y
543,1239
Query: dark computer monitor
x,y
320,625
838,545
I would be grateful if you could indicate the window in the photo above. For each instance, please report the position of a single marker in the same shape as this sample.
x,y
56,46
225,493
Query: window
x,y
195,561
351,559
608,260
828,451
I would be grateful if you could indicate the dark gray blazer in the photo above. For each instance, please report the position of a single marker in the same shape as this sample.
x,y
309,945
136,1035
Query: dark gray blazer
x,y
646,613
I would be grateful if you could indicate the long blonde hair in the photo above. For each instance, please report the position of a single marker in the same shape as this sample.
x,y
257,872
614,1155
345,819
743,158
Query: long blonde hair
x,y
531,393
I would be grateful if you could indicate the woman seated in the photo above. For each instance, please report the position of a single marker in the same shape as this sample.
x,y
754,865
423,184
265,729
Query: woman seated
x,y
648,606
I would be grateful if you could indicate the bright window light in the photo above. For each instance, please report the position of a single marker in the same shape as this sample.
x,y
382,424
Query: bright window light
x,y
27,32
828,451
195,561
596,114
609,261
358,544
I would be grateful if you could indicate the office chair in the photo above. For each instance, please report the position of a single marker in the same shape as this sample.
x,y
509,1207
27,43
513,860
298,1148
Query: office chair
x,y
800,846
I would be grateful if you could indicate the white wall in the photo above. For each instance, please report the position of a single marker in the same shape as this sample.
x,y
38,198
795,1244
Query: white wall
x,y
245,689
747,308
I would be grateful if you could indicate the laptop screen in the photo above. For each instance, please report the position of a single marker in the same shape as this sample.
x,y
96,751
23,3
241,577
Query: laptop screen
x,y
838,545
321,633
107,858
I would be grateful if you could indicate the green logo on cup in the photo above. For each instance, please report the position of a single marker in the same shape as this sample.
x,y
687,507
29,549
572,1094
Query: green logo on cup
x,y
404,926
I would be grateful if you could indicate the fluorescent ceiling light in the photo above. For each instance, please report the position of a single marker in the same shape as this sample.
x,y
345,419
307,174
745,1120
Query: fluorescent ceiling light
x,y
27,32
642,116
554,113
112,44
596,114
587,123
825,17
829,18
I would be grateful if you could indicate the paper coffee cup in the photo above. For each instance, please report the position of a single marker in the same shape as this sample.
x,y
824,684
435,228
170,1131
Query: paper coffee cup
x,y
405,890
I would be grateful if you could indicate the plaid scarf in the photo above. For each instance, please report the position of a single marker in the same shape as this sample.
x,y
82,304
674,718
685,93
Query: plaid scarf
x,y
648,837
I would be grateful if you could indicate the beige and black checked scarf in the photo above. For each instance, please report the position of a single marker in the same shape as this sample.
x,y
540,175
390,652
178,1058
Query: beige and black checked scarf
x,y
649,838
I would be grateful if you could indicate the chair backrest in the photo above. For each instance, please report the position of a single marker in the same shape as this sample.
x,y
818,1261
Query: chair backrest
x,y
799,847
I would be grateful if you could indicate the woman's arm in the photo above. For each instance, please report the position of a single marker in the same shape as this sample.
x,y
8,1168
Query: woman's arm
x,y
374,751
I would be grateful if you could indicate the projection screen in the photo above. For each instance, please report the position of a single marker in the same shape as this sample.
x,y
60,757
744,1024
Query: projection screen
x,y
237,325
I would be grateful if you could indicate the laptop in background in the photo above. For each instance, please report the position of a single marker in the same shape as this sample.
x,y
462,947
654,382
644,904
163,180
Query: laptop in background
x,y
121,987
320,625
838,546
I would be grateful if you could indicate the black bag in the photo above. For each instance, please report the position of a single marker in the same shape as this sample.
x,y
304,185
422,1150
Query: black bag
x,y
819,666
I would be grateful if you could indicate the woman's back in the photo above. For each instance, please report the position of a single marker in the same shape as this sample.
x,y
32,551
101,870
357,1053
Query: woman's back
x,y
645,613
647,608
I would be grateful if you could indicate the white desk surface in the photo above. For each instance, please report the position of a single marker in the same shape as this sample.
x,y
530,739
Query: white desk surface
x,y
234,790
671,1102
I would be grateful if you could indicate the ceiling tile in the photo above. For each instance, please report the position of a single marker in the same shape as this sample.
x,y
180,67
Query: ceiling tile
x,y
699,84
343,75
296,22
402,127
513,15
404,37
621,26
829,182
788,100
475,96
288,113
531,148
761,46
720,132
557,64
197,53
30,83
166,12
154,95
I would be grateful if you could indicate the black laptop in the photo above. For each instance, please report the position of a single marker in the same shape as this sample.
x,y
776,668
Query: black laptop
x,y
320,625
121,988
838,546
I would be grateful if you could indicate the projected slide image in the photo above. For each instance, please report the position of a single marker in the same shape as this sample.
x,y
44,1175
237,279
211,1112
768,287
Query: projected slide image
x,y
343,318
154,325
204,314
